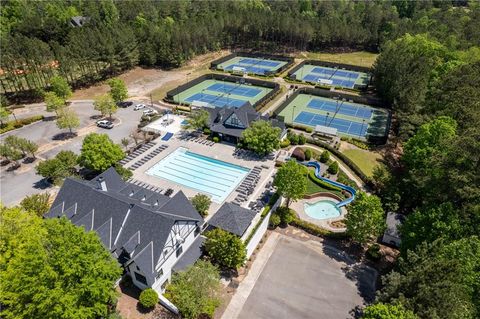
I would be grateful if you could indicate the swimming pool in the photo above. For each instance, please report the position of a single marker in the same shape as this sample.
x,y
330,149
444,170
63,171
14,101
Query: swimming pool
x,y
322,209
204,174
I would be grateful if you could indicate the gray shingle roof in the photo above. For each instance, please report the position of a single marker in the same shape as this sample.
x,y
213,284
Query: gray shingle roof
x,y
232,218
120,216
245,114
188,258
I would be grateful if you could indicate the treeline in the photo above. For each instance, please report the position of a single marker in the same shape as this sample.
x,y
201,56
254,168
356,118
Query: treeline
x,y
434,89
38,40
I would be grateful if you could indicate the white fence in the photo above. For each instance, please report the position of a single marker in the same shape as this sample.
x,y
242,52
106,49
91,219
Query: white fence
x,y
260,231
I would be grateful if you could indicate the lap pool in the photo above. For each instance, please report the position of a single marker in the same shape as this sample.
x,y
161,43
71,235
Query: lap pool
x,y
204,174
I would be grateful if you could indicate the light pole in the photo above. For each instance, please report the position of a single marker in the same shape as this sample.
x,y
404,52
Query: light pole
x,y
326,119
361,130
293,112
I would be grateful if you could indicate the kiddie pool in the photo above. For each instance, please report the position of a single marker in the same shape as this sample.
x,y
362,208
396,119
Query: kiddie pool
x,y
323,209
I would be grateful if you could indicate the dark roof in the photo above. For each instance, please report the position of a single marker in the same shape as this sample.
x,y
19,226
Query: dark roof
x,y
393,222
127,217
232,218
78,21
192,254
246,115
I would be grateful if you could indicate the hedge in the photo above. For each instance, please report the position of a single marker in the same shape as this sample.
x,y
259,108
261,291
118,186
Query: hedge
x,y
316,230
319,182
367,180
12,125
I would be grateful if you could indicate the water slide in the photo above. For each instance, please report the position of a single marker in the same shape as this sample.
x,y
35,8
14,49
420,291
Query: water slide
x,y
349,189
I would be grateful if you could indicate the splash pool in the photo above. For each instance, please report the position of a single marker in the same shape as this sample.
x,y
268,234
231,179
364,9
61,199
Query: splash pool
x,y
322,209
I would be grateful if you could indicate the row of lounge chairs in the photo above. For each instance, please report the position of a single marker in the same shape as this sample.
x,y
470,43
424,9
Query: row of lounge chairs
x,y
168,192
149,156
199,140
248,185
137,153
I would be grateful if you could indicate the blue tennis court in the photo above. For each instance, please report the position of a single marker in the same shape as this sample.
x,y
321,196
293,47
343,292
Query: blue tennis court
x,y
327,71
213,100
248,69
343,126
344,108
269,63
234,89
335,81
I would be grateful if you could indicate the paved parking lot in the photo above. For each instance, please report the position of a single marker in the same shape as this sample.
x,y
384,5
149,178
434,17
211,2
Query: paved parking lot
x,y
304,280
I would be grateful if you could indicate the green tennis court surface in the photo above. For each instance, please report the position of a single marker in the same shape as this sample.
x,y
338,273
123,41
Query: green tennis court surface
x,y
252,65
331,76
222,93
351,119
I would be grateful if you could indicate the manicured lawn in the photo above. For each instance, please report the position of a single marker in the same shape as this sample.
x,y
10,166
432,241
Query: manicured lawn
x,y
360,58
313,188
365,160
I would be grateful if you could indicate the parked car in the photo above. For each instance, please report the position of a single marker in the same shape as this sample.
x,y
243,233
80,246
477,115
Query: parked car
x,y
105,124
139,107
124,104
150,112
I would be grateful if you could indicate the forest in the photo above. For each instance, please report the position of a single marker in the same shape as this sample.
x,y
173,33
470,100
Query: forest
x,y
428,73
39,41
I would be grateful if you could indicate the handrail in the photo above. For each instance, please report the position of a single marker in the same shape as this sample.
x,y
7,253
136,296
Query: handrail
x,y
349,189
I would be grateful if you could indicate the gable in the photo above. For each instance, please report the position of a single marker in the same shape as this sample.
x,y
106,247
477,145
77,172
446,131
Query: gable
x,y
233,120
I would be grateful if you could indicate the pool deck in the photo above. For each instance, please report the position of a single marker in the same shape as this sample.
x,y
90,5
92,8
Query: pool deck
x,y
219,151
324,223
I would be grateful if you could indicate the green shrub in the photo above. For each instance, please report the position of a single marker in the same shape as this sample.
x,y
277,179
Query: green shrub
x,y
275,220
287,215
285,143
373,252
216,139
321,183
148,298
11,125
301,139
308,154
333,168
324,157
309,130
206,131
316,230
293,138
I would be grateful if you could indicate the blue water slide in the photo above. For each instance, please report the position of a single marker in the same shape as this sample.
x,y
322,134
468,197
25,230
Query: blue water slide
x,y
349,189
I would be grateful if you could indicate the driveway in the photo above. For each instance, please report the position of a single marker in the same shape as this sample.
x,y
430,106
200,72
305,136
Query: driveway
x,y
303,280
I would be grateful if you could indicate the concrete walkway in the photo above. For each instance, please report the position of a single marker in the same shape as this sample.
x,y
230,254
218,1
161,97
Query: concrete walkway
x,y
236,304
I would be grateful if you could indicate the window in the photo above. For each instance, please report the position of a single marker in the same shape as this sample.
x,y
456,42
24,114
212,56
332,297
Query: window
x,y
140,278
179,251
160,273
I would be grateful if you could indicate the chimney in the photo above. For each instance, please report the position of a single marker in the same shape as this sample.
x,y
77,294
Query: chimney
x,y
102,184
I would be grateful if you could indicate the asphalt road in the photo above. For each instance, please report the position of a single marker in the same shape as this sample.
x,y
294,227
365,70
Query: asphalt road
x,y
305,281
15,185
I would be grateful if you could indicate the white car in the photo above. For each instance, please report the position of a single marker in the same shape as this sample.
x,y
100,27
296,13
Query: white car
x,y
105,124
150,112
139,107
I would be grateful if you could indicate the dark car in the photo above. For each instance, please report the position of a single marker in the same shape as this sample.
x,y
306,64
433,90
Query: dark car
x,y
105,124
124,104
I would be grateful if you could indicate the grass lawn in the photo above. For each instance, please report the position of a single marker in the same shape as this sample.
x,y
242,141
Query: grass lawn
x,y
313,188
360,58
365,160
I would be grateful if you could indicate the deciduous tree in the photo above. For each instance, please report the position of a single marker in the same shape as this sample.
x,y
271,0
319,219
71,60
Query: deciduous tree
x,y
290,181
197,120
67,118
36,203
99,152
118,89
225,249
53,102
105,105
365,219
261,137
60,87
201,203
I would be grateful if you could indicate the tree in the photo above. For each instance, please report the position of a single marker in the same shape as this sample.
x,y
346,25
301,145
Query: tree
x,y
10,153
60,87
365,218
105,105
437,280
333,168
286,215
28,147
36,203
4,113
53,102
196,290
59,167
67,118
387,311
148,298
15,142
66,270
125,141
225,249
118,89
261,137
197,120
308,154
290,181
124,173
99,152
201,203
325,156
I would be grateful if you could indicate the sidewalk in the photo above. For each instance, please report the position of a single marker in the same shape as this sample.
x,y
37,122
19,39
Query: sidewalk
x,y
243,291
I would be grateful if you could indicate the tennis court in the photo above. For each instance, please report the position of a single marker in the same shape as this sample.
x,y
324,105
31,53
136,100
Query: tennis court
x,y
349,118
332,76
252,65
219,93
